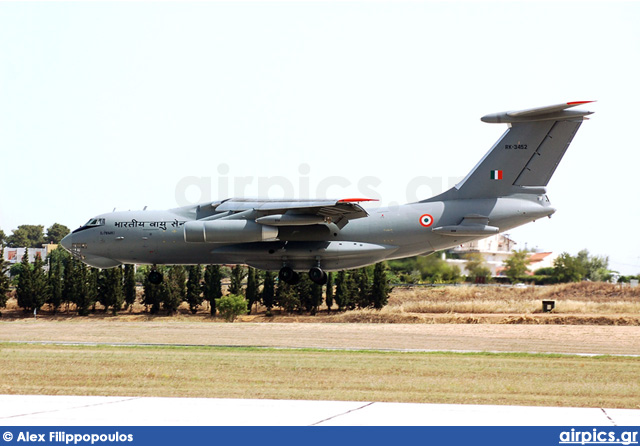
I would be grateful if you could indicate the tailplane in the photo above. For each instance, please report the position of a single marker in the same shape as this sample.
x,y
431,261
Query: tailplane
x,y
525,157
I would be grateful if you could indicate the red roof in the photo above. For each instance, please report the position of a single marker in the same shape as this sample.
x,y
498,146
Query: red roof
x,y
538,256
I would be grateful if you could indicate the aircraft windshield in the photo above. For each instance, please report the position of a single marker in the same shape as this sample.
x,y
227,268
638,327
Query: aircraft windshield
x,y
94,222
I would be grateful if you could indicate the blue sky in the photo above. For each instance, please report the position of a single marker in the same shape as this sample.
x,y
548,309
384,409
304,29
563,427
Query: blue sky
x,y
128,105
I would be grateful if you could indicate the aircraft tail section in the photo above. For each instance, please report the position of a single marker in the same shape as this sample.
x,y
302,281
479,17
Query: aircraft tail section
x,y
525,157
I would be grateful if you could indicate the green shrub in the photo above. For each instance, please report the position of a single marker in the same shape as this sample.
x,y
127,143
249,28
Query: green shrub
x,y
231,306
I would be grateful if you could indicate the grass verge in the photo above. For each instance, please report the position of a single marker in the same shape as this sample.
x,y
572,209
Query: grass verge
x,y
217,372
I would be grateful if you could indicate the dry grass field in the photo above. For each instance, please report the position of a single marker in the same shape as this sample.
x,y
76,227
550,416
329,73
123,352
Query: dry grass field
x,y
511,379
196,355
575,304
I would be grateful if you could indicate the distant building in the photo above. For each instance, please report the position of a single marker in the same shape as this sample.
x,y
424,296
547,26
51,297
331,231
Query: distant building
x,y
495,250
541,260
14,255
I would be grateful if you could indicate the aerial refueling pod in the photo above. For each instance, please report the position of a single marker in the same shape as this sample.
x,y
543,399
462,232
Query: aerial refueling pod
x,y
227,231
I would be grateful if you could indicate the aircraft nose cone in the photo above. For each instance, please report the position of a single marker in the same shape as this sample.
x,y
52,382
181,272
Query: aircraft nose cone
x,y
66,242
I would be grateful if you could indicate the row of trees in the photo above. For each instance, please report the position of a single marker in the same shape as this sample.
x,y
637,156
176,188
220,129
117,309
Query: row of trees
x,y
583,266
33,236
360,288
567,268
70,282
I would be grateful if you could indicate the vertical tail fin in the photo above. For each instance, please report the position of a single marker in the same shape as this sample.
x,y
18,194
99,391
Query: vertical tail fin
x,y
525,156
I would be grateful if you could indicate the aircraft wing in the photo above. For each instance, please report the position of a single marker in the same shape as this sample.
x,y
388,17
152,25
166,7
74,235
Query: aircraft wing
x,y
276,212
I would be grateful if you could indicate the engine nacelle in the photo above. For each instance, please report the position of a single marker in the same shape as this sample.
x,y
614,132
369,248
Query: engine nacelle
x,y
227,231
290,220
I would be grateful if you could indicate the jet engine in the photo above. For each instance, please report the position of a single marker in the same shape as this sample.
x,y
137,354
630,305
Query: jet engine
x,y
227,231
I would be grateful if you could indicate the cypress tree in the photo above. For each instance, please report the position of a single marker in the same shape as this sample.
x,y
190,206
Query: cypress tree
x,y
329,292
352,282
193,296
380,289
153,295
55,278
88,295
80,285
24,289
176,291
103,289
68,292
237,274
252,288
268,292
4,280
129,287
287,297
70,281
212,286
303,289
361,288
341,290
316,297
39,283
111,292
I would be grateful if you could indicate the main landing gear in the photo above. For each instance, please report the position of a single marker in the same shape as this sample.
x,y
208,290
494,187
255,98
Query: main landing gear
x,y
155,277
287,274
316,274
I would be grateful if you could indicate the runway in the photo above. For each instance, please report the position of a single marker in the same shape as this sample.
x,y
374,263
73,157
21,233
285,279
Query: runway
x,y
36,410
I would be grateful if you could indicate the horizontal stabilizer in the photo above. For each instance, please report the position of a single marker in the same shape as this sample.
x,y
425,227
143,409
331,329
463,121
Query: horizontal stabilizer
x,y
551,112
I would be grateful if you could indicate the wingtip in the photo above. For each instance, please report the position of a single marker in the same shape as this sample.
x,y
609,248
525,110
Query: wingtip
x,y
580,102
355,200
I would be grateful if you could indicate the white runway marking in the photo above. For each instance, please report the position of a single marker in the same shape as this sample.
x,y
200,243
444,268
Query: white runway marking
x,y
36,410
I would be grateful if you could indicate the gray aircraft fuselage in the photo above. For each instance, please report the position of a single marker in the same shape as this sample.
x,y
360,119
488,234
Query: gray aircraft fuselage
x,y
506,189
158,237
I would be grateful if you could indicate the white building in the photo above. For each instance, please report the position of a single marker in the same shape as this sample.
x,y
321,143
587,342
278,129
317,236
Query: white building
x,y
14,255
495,250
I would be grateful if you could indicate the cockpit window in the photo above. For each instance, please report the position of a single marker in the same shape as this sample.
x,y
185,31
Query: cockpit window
x,y
95,222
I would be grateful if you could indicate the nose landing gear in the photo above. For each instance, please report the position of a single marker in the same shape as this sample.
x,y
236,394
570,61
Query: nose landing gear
x,y
155,277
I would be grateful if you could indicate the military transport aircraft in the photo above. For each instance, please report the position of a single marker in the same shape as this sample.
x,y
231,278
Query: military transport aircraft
x,y
507,188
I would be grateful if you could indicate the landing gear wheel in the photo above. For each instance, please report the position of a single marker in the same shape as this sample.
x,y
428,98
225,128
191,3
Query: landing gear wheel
x,y
287,274
317,275
155,277
295,280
